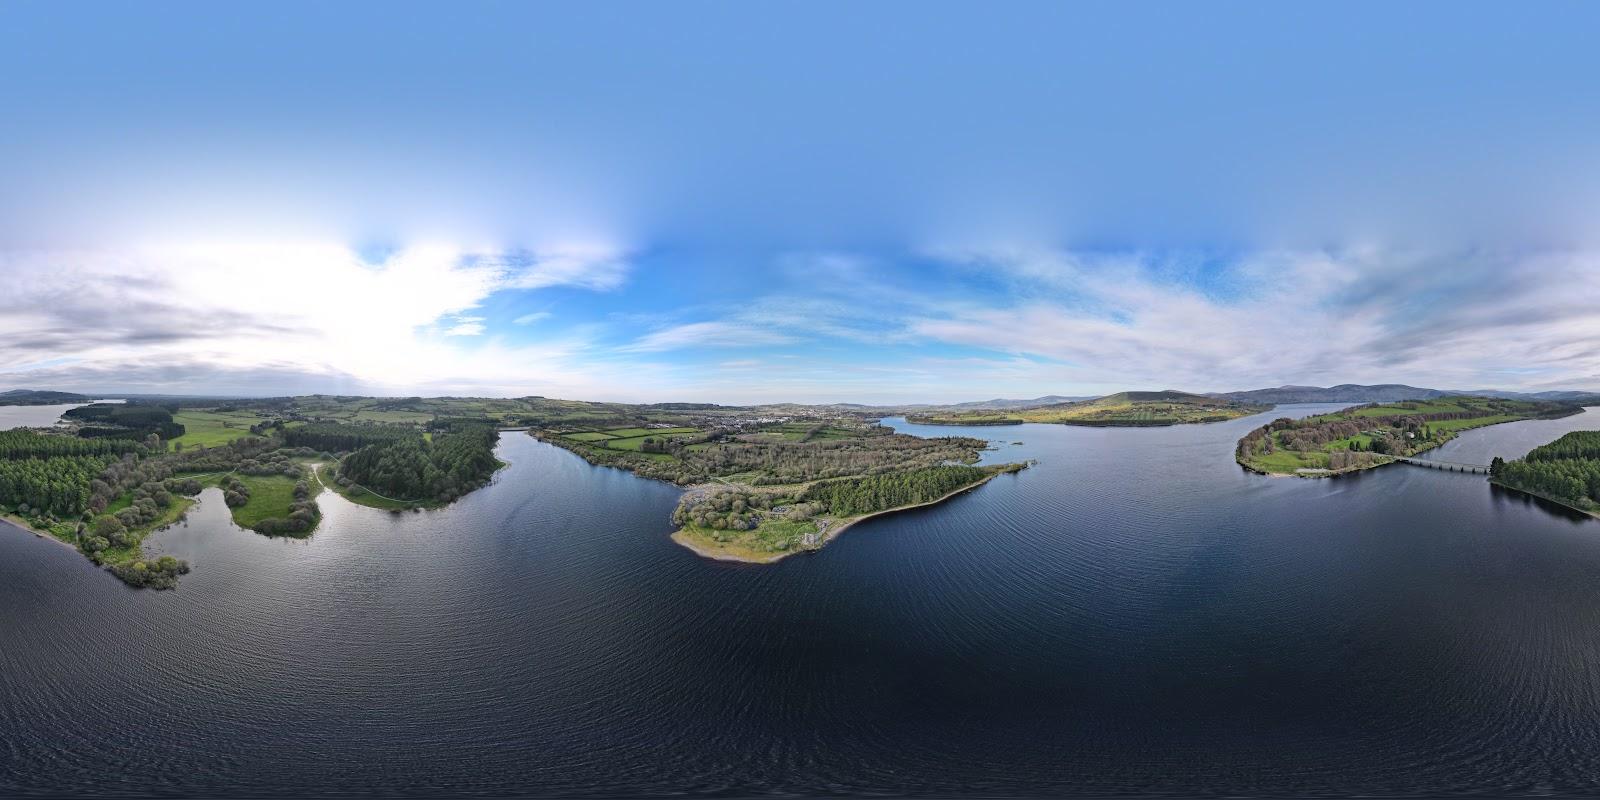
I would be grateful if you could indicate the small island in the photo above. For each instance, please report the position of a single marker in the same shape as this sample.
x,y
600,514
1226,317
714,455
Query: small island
x,y
1375,434
1123,409
1565,471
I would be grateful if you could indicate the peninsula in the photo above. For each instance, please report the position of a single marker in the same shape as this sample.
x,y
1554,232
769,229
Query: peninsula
x,y
766,484
1375,434
1565,471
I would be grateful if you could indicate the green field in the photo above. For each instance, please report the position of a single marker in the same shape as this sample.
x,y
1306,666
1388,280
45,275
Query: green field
x,y
628,433
770,540
212,428
1289,461
633,443
270,496
588,436
409,417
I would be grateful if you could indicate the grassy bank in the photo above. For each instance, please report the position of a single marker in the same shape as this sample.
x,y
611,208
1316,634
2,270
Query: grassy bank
x,y
363,497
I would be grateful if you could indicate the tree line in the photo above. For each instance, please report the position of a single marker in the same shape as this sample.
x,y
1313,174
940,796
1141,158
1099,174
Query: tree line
x,y
784,462
1567,469
22,443
338,437
864,495
455,462
125,421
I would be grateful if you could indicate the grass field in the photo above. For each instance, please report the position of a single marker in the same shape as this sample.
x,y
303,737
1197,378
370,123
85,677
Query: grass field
x,y
588,436
270,496
212,428
771,540
374,415
1288,461
628,433
633,443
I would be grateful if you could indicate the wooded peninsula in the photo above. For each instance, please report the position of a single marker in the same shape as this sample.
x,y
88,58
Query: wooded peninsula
x,y
765,487
1375,434
1565,471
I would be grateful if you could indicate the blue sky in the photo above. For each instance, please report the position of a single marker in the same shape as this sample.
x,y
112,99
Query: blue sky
x,y
797,201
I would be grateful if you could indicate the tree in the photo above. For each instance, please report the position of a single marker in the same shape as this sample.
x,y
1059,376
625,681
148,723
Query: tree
x,y
1497,466
107,526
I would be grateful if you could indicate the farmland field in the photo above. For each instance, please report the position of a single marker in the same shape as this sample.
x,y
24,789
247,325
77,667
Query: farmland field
x,y
627,433
213,428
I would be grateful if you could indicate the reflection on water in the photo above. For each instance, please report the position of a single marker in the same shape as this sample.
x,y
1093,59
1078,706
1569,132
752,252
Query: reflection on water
x,y
1135,614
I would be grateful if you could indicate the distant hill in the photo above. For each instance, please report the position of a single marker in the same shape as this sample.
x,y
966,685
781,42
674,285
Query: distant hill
x,y
996,404
1037,402
1394,393
39,397
1125,399
1343,393
1123,409
1562,396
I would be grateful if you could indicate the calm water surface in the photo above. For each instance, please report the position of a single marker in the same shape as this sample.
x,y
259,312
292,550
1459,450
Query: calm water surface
x,y
1136,614
34,416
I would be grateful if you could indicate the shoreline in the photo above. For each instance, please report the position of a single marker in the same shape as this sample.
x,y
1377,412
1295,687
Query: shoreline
x,y
833,531
1392,459
1592,513
22,525
1326,473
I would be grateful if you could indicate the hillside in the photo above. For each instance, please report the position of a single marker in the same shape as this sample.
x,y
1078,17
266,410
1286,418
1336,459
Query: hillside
x,y
39,397
1343,393
1123,409
1395,393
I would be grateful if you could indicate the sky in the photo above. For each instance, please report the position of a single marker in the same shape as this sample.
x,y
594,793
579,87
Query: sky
x,y
797,201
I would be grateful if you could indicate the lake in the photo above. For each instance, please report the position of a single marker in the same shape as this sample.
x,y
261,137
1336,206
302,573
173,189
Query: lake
x,y
35,416
1135,614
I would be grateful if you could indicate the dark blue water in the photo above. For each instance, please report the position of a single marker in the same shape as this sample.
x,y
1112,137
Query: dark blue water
x,y
1134,615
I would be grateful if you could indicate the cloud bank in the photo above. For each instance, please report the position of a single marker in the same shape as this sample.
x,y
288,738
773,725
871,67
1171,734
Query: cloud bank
x,y
940,324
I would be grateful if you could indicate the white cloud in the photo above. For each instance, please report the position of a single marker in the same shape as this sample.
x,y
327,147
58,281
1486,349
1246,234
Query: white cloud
x,y
1453,322
185,313
707,334
466,326
529,319
587,267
